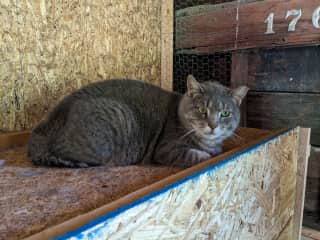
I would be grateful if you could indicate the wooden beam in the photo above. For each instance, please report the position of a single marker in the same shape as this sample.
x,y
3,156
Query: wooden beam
x,y
238,25
302,166
239,76
12,139
311,233
285,70
167,14
270,110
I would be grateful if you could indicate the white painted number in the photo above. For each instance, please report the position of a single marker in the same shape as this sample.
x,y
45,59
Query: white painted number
x,y
293,23
316,17
269,22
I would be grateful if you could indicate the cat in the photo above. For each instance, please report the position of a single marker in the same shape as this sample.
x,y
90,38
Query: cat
x,y
125,122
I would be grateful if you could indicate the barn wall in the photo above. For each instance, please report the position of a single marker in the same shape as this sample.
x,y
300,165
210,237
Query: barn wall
x,y
48,48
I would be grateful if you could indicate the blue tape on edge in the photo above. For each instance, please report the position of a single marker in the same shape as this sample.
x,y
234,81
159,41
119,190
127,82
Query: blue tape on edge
x,y
148,196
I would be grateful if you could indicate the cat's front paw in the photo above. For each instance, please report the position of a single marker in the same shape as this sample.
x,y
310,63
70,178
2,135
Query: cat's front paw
x,y
197,156
218,149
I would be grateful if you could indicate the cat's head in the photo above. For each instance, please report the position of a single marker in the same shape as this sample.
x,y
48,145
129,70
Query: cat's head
x,y
210,109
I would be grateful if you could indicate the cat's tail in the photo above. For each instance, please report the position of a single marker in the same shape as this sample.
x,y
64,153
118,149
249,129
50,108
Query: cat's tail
x,y
40,153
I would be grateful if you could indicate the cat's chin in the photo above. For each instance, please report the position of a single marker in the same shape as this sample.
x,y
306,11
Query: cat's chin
x,y
209,135
216,134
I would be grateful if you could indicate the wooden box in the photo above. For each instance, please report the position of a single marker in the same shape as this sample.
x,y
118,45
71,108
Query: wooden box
x,y
254,190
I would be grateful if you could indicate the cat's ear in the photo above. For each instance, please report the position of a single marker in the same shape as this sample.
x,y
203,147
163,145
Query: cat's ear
x,y
193,86
239,94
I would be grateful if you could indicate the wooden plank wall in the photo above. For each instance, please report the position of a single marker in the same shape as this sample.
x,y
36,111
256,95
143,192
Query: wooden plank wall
x,y
227,26
285,88
272,110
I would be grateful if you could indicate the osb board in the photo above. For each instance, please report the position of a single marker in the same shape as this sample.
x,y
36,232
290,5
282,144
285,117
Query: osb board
x,y
35,198
250,196
50,47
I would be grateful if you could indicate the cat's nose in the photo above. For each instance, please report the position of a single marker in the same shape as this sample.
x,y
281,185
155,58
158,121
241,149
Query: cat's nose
x,y
211,125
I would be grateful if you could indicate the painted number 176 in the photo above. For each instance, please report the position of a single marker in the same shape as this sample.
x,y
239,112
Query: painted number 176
x,y
296,13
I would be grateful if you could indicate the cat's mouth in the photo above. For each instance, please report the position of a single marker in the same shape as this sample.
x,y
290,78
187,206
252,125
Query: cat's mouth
x,y
205,131
208,132
215,132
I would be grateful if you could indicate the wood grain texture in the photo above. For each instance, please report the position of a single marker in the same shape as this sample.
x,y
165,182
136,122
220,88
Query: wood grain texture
x,y
239,77
239,25
167,15
311,216
285,69
302,166
14,139
273,110
311,233
312,201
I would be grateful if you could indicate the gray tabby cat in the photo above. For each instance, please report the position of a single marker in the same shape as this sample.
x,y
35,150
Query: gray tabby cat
x,y
124,122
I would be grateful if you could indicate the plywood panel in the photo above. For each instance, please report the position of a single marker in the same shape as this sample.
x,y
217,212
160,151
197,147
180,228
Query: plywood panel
x,y
50,48
10,64
302,166
123,39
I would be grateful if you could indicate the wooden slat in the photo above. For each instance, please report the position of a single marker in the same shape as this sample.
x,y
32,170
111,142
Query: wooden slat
x,y
207,29
241,26
14,139
285,69
239,76
273,110
314,164
311,233
312,203
303,156
312,199
167,44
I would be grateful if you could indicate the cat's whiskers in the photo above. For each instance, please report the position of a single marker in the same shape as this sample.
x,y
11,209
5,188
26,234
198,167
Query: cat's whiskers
x,y
237,135
193,119
236,138
186,134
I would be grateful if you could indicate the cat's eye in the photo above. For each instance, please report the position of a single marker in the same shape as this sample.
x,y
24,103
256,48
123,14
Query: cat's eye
x,y
202,110
225,114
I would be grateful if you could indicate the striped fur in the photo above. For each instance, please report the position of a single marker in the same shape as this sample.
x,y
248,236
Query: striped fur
x,y
124,122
